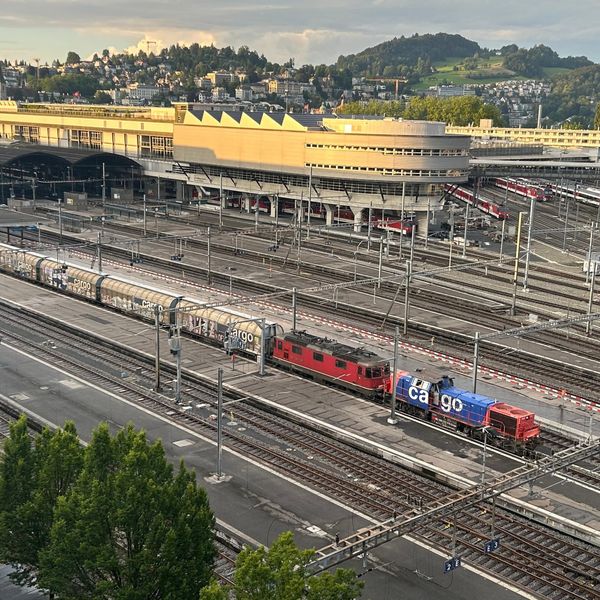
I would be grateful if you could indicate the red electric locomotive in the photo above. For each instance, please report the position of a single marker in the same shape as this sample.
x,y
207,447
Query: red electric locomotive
x,y
328,361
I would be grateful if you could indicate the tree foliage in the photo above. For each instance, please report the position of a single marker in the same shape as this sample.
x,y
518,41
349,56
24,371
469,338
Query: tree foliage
x,y
574,95
129,527
407,56
47,471
72,58
86,85
458,110
597,117
280,574
531,62
113,520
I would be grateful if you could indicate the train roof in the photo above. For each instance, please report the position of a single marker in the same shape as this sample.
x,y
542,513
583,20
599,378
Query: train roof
x,y
337,349
430,374
466,396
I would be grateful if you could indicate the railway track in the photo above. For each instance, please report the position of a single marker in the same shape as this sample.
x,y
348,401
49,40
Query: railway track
x,y
542,370
532,557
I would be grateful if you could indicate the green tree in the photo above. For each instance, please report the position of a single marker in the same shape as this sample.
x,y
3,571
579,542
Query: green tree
x,y
72,58
597,117
53,464
129,527
102,97
280,574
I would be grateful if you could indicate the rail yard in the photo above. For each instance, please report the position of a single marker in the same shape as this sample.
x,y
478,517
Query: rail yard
x,y
196,316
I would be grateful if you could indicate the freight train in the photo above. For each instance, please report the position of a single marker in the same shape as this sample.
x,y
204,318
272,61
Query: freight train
x,y
357,370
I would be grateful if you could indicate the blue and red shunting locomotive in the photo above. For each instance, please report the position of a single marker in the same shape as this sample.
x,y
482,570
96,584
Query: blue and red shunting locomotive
x,y
436,399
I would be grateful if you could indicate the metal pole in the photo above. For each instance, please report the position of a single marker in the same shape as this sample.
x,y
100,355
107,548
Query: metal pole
x,y
428,217
276,200
60,228
392,420
300,216
178,380
516,271
484,455
294,308
221,200
103,187
564,248
502,240
576,217
475,361
219,422
256,215
144,215
464,248
369,227
529,234
309,201
451,238
157,349
208,272
588,325
402,205
263,328
406,292
412,242
590,247
99,253
380,266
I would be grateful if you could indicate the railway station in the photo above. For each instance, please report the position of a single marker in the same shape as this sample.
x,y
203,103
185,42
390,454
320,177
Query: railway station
x,y
276,298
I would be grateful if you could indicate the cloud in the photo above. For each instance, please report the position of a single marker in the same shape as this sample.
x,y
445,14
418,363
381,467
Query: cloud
x,y
311,31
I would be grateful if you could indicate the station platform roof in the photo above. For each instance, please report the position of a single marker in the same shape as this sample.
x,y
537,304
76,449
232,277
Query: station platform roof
x,y
15,218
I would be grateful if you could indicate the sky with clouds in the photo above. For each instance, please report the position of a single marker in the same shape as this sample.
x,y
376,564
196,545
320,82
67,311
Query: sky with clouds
x,y
311,31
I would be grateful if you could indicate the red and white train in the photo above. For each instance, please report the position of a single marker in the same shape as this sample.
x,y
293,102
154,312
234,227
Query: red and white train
x,y
524,188
485,205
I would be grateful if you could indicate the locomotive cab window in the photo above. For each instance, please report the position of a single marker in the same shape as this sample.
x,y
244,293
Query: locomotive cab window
x,y
296,349
340,364
279,345
318,356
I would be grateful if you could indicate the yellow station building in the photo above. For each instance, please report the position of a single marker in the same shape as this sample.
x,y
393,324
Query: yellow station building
x,y
357,162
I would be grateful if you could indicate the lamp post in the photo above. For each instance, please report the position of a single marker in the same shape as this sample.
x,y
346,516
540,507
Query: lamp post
x,y
406,297
588,325
219,423
485,434
475,361
392,420
527,252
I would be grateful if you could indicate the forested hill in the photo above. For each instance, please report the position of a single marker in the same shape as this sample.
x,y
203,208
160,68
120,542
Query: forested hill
x,y
575,94
405,55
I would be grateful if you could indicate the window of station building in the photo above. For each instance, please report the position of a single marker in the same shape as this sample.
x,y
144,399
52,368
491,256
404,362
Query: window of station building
x,y
86,139
27,133
317,356
341,364
156,145
296,349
